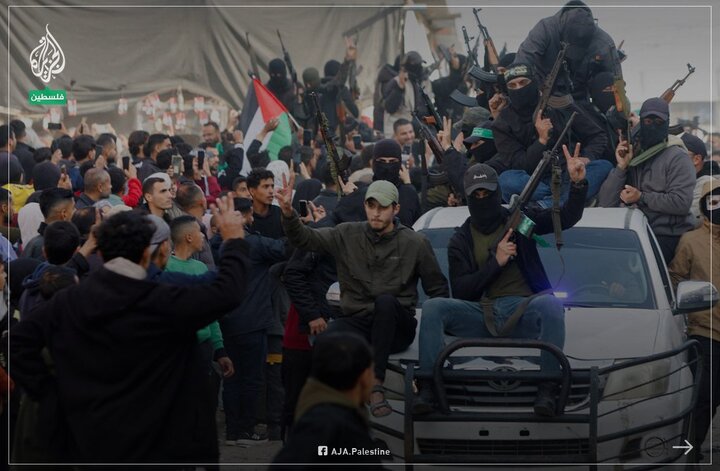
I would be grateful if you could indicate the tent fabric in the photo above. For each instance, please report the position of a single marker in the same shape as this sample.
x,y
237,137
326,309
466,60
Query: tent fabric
x,y
200,47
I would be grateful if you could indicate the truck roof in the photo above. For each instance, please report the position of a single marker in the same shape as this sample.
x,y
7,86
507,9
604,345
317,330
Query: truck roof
x,y
612,218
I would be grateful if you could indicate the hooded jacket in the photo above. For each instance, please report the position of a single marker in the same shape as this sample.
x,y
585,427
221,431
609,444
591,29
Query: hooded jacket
x,y
326,417
542,45
667,182
517,141
369,265
128,374
469,281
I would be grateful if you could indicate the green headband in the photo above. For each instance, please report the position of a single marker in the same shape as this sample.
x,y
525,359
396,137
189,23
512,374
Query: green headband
x,y
483,133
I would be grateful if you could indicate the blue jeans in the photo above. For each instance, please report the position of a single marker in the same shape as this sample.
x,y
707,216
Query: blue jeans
x,y
242,390
512,182
543,319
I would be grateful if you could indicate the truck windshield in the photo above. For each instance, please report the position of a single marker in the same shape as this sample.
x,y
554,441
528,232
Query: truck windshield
x,y
596,267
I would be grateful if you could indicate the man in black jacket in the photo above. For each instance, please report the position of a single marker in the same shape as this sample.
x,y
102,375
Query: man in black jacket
x,y
331,420
502,278
387,163
520,142
126,372
591,49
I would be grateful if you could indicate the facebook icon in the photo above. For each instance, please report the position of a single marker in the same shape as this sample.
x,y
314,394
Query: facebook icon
x,y
322,450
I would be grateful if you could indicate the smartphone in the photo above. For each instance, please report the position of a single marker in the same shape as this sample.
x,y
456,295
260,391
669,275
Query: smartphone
x,y
63,170
177,162
126,162
54,126
357,141
98,149
201,158
303,208
307,137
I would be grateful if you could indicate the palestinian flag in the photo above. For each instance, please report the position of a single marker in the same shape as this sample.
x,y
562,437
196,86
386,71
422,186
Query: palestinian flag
x,y
260,107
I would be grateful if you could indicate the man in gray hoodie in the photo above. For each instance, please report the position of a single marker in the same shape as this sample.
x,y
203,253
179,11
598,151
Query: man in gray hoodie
x,y
658,178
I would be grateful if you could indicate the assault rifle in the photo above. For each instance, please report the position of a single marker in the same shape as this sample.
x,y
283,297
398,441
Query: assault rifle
x,y
288,62
669,94
517,220
491,53
434,117
333,159
549,83
472,56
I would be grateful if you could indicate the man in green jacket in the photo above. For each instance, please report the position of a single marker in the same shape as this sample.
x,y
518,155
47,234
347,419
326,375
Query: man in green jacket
x,y
378,264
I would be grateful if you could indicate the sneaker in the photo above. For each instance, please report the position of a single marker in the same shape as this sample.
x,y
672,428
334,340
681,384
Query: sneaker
x,y
545,403
424,402
251,439
231,440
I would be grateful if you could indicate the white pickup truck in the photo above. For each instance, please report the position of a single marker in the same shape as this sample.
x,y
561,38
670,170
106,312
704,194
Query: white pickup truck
x,y
627,387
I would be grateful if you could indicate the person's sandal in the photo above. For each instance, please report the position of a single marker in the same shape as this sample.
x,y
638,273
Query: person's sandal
x,y
375,406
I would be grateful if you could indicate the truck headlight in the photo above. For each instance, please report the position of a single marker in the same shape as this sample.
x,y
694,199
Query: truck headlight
x,y
646,380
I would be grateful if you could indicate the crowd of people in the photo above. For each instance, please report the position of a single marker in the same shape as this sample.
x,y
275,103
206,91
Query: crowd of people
x,y
151,287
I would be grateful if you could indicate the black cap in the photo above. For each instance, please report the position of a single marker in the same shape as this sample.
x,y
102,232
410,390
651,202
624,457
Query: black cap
x,y
655,107
480,176
694,144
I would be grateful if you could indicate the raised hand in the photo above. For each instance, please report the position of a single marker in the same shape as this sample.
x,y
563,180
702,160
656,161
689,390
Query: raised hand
x,y
575,164
230,222
623,153
505,249
284,197
544,127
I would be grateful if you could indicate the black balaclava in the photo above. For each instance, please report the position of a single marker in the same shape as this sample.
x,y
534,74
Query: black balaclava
x,y
484,152
603,100
486,214
578,30
714,214
387,171
278,74
488,90
652,134
524,100
412,62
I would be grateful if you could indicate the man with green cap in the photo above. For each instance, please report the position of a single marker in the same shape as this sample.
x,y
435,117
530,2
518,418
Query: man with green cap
x,y
379,263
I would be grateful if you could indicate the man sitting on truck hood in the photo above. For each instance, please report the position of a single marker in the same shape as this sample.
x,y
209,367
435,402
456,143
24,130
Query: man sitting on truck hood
x,y
499,291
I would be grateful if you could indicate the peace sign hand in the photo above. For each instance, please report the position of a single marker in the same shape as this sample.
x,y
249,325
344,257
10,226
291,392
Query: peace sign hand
x,y
284,197
575,164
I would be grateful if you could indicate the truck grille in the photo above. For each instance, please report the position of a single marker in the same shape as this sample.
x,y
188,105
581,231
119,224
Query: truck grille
x,y
521,394
432,446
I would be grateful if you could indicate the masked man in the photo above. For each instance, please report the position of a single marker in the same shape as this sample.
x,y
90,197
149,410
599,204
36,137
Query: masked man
x,y
657,177
499,290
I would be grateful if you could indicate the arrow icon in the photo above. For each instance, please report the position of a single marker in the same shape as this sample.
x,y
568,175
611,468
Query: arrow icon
x,y
688,447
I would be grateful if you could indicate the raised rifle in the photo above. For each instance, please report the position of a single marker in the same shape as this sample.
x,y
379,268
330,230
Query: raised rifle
x,y
491,52
288,62
472,57
333,159
669,94
517,220
433,118
429,137
549,84
253,59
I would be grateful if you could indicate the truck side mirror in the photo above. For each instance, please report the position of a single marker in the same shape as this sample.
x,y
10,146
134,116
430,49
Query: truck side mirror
x,y
695,296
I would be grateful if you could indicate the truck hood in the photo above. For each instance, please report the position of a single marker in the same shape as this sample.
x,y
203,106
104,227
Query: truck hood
x,y
610,333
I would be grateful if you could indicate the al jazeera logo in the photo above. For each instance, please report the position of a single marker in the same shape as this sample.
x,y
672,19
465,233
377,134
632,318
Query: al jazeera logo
x,y
46,61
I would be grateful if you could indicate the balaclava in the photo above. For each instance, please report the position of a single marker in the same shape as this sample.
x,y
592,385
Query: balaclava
x,y
387,171
524,100
486,214
600,98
